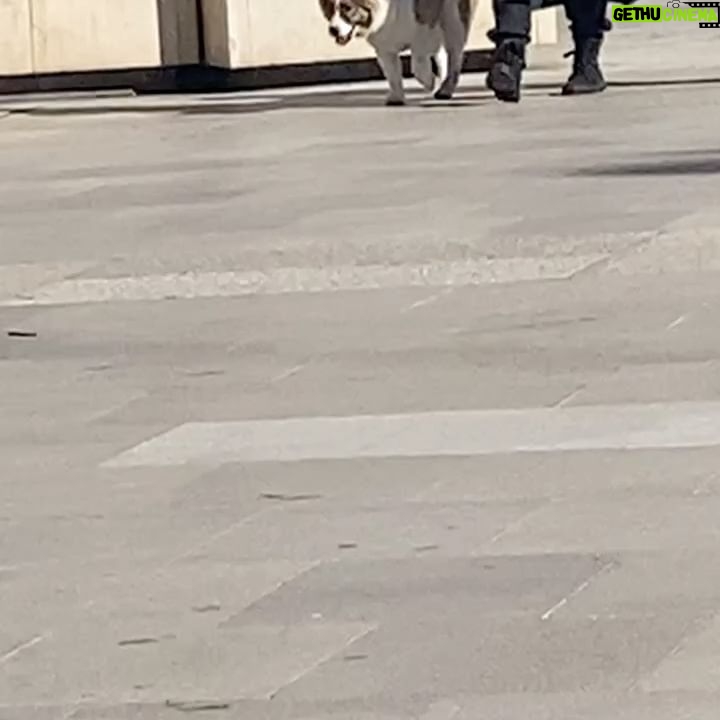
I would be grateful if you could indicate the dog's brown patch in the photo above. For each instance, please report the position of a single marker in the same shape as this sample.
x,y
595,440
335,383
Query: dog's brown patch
x,y
370,6
355,12
328,8
427,12
364,11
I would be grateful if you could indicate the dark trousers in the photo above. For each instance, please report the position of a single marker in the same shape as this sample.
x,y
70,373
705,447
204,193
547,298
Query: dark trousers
x,y
512,17
587,17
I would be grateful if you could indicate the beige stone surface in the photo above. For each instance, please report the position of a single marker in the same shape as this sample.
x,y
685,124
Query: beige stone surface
x,y
273,32
15,45
47,36
73,35
545,26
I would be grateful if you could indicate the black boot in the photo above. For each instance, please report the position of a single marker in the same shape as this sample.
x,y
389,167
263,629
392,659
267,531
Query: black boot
x,y
586,75
506,70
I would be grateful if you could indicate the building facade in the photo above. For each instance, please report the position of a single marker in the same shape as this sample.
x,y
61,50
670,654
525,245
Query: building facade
x,y
48,37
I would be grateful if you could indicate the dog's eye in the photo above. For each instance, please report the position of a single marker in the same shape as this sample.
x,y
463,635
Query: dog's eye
x,y
345,8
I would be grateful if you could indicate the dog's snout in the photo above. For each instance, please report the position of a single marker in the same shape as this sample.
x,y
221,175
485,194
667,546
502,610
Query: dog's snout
x,y
340,31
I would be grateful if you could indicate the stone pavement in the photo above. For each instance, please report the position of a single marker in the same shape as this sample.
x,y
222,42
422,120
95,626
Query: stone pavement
x,y
314,410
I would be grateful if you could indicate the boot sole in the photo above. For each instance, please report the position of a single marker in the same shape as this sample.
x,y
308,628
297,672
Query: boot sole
x,y
583,90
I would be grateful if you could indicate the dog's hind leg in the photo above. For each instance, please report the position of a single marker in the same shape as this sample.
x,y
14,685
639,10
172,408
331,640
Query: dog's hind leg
x,y
422,71
441,64
423,49
455,33
391,66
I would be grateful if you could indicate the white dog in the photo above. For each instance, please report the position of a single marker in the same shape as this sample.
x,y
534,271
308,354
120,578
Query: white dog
x,y
433,30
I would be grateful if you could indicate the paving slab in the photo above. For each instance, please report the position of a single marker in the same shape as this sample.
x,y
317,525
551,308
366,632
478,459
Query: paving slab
x,y
251,258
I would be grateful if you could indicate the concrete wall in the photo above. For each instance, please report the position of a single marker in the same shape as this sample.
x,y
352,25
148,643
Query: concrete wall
x,y
66,36
15,46
53,36
241,34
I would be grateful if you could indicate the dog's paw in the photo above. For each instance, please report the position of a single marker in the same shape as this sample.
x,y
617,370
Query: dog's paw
x,y
443,94
427,80
393,101
447,89
422,70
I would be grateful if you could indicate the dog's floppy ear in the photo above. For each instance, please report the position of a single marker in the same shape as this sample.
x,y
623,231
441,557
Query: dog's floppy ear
x,y
369,6
328,8
427,12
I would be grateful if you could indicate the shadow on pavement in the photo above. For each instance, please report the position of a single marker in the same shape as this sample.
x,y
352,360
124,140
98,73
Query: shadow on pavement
x,y
220,104
217,105
364,99
664,83
687,162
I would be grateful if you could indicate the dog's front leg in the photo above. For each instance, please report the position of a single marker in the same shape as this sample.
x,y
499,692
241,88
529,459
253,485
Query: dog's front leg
x,y
392,68
455,36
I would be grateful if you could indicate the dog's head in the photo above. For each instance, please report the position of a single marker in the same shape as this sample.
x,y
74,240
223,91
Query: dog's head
x,y
349,18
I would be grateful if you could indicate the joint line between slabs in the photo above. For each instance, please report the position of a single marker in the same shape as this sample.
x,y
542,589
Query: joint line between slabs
x,y
326,658
677,322
562,402
14,652
516,523
579,589
287,374
207,542
430,300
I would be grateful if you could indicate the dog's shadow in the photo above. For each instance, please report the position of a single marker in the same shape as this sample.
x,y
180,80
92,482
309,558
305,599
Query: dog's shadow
x,y
340,100
679,163
248,103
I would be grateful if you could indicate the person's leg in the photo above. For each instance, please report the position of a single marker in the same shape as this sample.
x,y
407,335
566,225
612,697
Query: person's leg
x,y
511,36
588,25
